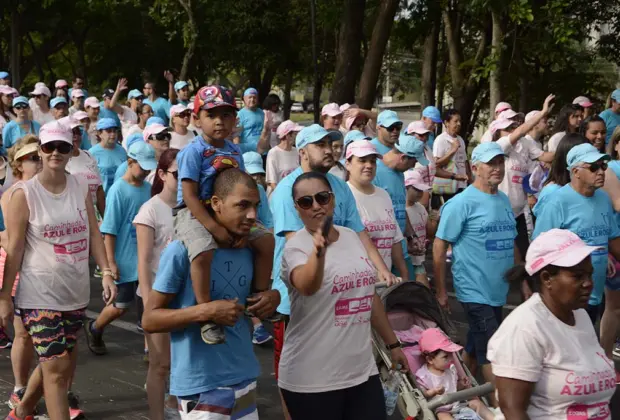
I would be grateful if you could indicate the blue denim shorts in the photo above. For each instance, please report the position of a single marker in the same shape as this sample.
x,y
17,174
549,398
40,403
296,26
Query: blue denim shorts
x,y
483,321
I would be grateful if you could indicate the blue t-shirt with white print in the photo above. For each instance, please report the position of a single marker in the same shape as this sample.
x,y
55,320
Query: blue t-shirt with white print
x,y
481,228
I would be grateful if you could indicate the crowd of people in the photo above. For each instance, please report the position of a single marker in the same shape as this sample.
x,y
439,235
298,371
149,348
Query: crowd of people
x,y
220,219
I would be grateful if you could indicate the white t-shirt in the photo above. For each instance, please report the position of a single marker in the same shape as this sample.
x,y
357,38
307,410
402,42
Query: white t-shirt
x,y
42,117
430,380
377,213
84,168
327,345
553,142
418,217
280,163
574,379
338,171
157,215
134,128
487,137
518,163
441,147
179,141
427,172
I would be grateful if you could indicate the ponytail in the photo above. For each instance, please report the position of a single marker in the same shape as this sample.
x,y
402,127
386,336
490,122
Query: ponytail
x,y
164,163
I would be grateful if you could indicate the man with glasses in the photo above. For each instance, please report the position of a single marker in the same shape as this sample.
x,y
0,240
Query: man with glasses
x,y
78,83
388,130
20,126
583,208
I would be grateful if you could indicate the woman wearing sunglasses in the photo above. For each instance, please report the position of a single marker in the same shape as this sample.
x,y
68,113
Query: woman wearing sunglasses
x,y
180,118
327,357
21,125
154,229
108,153
158,136
52,231
84,166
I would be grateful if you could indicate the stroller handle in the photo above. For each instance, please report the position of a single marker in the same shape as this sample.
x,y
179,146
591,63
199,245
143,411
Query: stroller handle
x,y
380,285
464,395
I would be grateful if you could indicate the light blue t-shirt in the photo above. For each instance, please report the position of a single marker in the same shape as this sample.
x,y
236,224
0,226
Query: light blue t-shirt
x,y
12,132
108,113
481,228
612,120
286,219
264,213
161,107
179,102
201,162
430,141
197,367
85,144
544,197
121,206
394,183
120,171
381,148
590,218
252,123
108,160
614,165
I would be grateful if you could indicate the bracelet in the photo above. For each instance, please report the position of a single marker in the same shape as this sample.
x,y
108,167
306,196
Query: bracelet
x,y
393,346
107,272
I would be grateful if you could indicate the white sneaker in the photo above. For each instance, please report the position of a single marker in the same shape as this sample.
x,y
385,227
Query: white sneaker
x,y
616,352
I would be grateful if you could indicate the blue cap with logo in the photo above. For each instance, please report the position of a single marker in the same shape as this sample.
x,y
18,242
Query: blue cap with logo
x,y
250,91
134,138
388,118
20,100
180,85
144,153
134,93
253,163
432,113
4,75
155,120
584,153
412,147
105,123
58,100
354,135
484,152
615,95
315,133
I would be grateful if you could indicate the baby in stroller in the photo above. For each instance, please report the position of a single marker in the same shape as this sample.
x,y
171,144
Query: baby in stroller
x,y
439,376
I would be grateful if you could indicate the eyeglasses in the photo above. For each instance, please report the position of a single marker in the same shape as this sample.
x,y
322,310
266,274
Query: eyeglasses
x,y
394,127
31,158
594,167
20,106
322,198
161,136
62,147
175,174
184,114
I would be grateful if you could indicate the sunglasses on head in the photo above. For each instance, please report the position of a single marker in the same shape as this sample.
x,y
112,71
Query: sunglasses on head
x,y
20,106
62,147
322,198
594,167
32,158
394,127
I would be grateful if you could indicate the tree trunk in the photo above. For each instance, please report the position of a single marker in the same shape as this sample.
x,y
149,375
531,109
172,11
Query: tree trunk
x,y
266,82
15,51
348,59
497,41
429,63
288,86
523,79
192,30
37,58
318,84
374,58
443,66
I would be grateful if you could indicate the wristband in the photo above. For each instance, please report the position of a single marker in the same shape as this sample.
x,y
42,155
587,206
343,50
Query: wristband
x,y
393,346
108,272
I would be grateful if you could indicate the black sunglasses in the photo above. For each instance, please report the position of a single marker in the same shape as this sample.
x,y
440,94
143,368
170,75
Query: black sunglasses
x,y
162,136
175,174
62,147
322,198
394,127
20,106
33,158
594,167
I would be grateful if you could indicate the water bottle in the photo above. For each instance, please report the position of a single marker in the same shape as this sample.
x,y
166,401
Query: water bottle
x,y
390,392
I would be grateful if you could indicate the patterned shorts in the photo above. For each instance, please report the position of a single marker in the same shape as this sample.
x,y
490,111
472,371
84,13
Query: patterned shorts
x,y
54,333
237,402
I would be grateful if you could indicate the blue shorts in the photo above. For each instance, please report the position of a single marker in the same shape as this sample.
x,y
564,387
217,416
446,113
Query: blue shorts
x,y
613,283
483,321
126,294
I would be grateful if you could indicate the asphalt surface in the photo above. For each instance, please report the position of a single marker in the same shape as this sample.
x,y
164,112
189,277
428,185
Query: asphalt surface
x,y
112,386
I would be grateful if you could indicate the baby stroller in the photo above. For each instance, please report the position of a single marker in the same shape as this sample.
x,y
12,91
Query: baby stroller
x,y
412,304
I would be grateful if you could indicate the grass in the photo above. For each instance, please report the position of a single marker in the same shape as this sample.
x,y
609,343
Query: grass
x,y
301,117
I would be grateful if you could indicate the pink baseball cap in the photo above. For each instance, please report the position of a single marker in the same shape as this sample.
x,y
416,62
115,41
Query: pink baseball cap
x,y
417,127
61,83
77,93
414,179
149,130
361,148
177,109
70,122
500,124
530,115
286,127
502,106
14,91
6,90
346,106
507,114
55,131
91,102
41,90
79,115
582,101
433,339
331,109
558,247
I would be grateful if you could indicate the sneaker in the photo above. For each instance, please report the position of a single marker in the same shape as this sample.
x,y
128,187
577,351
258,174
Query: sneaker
x,y
98,273
16,398
74,406
449,256
212,333
261,335
13,416
94,341
139,327
5,341
145,358
616,352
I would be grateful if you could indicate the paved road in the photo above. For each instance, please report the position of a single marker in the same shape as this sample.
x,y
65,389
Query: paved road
x,y
112,386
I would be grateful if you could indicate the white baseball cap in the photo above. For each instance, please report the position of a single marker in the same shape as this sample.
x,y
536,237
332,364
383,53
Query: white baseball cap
x,y
41,90
286,127
55,131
